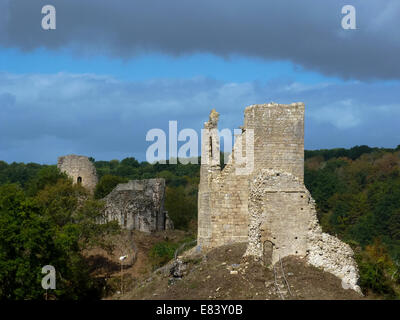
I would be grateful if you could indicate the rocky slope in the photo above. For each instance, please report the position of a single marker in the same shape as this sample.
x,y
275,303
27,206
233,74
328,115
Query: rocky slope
x,y
223,274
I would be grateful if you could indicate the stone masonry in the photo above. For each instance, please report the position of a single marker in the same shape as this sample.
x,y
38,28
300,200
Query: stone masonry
x,y
139,205
268,207
80,169
136,205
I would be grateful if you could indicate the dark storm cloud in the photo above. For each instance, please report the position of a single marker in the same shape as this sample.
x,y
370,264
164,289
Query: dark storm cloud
x,y
306,32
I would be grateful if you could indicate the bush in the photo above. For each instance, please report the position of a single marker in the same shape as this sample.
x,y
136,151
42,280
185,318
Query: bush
x,y
162,252
375,267
106,184
181,206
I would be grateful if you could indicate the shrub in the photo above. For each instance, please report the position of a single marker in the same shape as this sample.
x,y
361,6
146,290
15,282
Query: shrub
x,y
106,184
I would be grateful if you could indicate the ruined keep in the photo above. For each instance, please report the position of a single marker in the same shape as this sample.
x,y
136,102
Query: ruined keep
x,y
80,169
267,206
139,205
136,205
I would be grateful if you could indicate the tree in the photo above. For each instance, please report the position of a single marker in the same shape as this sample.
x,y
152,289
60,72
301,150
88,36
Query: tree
x,y
46,176
181,207
106,184
130,162
52,228
375,267
25,245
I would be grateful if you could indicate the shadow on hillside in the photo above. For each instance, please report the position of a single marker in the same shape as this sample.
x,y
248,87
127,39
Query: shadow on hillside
x,y
101,264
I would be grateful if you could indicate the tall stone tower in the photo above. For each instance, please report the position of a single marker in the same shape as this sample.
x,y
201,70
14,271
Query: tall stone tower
x,y
278,131
266,205
210,166
80,169
278,136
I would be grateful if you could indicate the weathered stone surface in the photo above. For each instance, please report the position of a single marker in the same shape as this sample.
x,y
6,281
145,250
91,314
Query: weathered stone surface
x,y
169,224
223,215
138,205
268,207
332,255
178,268
279,214
80,169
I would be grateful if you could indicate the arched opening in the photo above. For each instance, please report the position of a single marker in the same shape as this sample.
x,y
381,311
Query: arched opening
x,y
79,180
268,248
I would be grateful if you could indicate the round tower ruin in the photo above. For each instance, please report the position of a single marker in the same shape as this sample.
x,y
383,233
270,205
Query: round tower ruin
x,y
80,169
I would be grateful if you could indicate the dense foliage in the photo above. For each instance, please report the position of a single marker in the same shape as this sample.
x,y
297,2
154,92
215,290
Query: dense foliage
x,y
357,192
106,184
43,221
46,220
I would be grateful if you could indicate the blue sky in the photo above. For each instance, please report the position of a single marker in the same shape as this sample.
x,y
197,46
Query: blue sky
x,y
111,71
155,66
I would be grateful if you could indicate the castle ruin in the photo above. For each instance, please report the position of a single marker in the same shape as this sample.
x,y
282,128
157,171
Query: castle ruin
x,y
139,205
80,169
136,205
268,206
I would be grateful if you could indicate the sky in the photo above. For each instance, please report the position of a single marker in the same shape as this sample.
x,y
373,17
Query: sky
x,y
113,70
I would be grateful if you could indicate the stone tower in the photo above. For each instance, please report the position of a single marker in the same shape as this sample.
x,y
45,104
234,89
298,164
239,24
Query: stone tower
x,y
278,132
278,136
80,169
266,205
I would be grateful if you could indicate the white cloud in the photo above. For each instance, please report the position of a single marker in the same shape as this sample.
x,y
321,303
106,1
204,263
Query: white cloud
x,y
342,114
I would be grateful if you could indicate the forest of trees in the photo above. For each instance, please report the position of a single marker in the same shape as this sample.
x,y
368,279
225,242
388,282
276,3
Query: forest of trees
x,y
46,219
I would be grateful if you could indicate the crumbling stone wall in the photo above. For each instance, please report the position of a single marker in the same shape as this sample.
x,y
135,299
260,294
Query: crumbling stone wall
x,y
209,167
223,216
268,207
279,201
332,255
139,205
80,169
282,213
222,199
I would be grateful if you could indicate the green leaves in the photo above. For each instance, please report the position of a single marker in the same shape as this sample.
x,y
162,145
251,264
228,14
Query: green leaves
x,y
25,245
181,206
358,199
376,270
106,184
54,227
46,176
